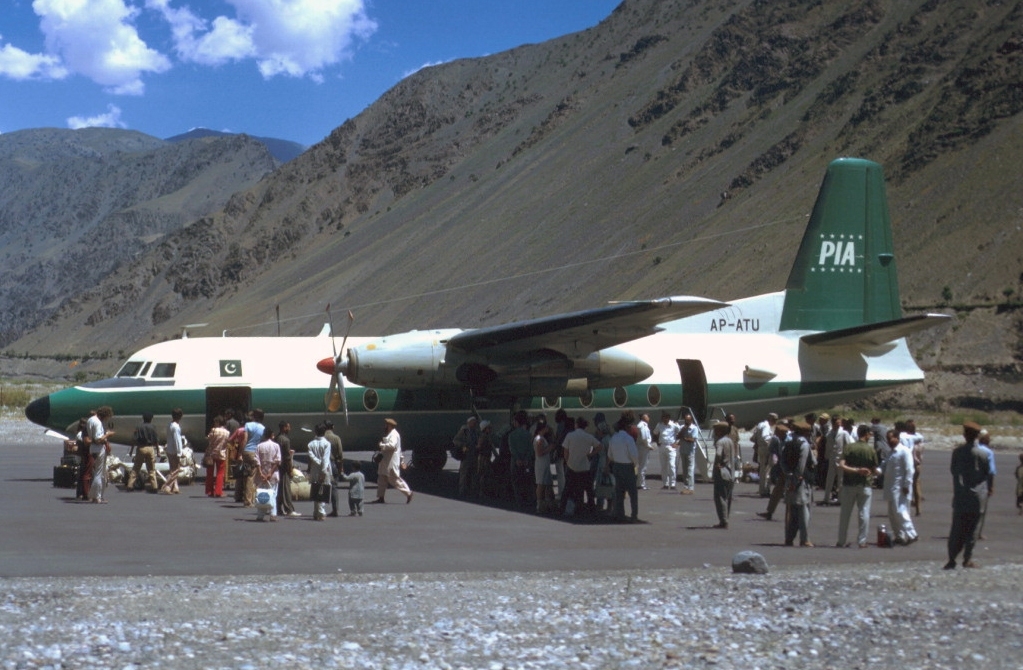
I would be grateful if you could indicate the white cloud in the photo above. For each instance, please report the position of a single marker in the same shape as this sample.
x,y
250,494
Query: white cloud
x,y
96,38
112,119
228,40
99,39
20,65
291,37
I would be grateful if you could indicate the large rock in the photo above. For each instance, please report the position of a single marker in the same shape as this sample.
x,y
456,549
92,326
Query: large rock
x,y
749,563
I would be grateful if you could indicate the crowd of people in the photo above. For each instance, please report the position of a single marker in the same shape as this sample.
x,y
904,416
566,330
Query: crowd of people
x,y
568,470
241,453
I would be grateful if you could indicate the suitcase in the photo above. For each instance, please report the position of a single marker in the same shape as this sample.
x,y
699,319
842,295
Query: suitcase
x,y
65,476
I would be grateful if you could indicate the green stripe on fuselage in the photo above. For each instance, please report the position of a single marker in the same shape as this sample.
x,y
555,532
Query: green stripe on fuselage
x,y
439,414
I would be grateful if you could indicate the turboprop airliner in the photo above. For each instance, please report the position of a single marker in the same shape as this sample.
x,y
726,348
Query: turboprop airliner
x,y
834,334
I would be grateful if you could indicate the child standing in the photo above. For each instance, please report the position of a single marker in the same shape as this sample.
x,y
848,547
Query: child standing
x,y
356,485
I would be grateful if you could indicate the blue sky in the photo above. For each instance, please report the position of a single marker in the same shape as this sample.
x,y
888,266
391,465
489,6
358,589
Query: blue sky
x,y
293,69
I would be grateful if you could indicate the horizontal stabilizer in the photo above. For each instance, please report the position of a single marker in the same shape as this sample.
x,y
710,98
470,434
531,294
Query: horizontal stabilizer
x,y
876,334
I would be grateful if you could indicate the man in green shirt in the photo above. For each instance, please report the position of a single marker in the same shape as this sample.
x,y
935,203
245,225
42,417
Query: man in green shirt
x,y
858,466
520,445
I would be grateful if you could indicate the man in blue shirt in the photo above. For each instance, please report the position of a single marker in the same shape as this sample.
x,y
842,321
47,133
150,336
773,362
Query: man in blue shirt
x,y
253,436
984,444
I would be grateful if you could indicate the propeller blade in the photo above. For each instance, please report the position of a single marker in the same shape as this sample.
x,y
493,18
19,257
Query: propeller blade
x,y
330,320
337,366
334,398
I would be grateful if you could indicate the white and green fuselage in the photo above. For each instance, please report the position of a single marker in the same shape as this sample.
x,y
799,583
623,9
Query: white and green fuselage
x,y
834,334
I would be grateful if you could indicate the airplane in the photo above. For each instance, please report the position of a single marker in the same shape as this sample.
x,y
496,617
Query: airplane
x,y
834,334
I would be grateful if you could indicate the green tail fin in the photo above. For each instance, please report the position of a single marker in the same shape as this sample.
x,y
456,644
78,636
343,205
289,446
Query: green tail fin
x,y
844,274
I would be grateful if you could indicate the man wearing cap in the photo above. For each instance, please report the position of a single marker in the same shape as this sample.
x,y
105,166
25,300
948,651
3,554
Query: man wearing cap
x,y
762,433
796,458
389,467
733,435
465,443
723,472
781,436
970,473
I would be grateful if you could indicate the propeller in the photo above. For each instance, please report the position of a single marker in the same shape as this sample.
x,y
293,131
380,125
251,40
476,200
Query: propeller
x,y
335,398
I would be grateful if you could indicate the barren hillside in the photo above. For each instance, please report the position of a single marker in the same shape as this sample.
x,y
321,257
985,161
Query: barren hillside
x,y
694,133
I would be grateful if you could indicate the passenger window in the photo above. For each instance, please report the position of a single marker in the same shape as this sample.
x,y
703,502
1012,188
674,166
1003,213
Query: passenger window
x,y
164,370
653,395
621,396
130,369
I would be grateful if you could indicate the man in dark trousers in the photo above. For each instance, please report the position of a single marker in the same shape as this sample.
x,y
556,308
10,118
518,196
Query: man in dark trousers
x,y
143,450
796,459
521,446
337,457
723,472
285,506
969,489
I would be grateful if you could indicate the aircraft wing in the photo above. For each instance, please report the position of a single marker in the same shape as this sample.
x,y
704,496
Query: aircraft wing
x,y
581,333
876,334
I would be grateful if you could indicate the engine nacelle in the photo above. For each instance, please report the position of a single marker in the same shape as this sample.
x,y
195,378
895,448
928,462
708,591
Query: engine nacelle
x,y
416,360
404,361
612,367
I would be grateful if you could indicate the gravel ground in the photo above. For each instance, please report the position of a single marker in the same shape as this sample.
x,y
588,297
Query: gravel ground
x,y
840,617
847,616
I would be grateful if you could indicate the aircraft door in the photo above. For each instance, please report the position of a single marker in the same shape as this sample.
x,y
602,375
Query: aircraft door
x,y
694,388
221,398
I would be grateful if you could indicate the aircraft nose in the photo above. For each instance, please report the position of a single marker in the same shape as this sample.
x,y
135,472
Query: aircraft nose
x,y
38,411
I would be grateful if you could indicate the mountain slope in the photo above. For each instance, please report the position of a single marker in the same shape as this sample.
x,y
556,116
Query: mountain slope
x,y
674,148
282,150
78,203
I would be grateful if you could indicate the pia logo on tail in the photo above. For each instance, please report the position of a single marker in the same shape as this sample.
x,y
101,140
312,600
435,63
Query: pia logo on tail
x,y
838,253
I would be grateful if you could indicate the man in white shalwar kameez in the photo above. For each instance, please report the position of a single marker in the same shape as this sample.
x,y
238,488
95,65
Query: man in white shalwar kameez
x,y
898,486
389,468
100,449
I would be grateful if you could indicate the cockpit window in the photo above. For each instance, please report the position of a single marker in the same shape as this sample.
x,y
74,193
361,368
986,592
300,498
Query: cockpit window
x,y
165,370
130,369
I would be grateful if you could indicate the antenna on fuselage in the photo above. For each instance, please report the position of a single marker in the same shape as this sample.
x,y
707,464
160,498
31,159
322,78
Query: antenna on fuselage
x,y
184,329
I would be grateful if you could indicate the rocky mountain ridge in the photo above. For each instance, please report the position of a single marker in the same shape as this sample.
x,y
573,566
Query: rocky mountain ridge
x,y
77,204
674,148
